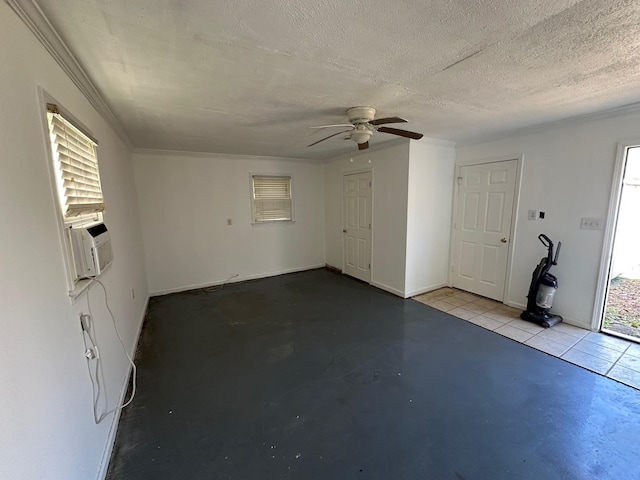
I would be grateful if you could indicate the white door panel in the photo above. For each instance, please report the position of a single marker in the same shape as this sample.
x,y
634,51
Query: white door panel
x,y
357,225
483,227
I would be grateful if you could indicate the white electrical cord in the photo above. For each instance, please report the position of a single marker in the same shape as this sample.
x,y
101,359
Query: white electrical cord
x,y
215,288
96,396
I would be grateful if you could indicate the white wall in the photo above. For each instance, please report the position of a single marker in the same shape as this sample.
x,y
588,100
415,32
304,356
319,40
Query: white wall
x,y
430,200
390,167
185,201
46,422
567,173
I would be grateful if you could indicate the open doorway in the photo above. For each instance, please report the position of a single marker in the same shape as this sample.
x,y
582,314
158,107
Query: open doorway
x,y
621,313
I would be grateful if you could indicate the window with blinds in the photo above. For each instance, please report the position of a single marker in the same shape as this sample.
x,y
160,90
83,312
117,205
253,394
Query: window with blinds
x,y
76,169
272,199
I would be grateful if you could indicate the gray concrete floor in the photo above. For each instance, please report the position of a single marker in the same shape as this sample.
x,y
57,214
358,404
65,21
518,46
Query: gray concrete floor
x,y
314,375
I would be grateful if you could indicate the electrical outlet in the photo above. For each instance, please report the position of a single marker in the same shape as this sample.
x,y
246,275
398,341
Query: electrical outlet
x,y
532,215
587,223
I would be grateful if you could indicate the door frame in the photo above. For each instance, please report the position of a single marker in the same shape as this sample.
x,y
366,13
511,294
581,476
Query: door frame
x,y
514,215
611,223
355,172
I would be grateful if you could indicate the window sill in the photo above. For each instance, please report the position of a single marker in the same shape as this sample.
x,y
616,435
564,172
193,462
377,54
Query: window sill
x,y
273,222
83,285
80,287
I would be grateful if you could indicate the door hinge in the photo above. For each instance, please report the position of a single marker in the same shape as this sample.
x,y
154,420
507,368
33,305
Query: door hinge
x,y
369,266
369,184
460,179
369,226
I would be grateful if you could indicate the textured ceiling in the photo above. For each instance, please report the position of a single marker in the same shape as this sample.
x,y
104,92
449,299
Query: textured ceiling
x,y
250,77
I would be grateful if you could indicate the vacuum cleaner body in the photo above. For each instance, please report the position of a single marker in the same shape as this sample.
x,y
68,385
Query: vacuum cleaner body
x,y
543,289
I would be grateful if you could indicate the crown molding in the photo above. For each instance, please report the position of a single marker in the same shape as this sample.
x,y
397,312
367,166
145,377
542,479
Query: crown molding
x,y
219,156
34,18
390,144
441,142
621,111
373,148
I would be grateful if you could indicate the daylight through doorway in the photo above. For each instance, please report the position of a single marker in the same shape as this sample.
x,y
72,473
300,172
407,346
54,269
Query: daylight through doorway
x,y
622,307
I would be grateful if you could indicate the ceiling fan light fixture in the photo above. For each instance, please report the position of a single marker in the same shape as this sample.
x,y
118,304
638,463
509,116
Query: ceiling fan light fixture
x,y
360,137
361,134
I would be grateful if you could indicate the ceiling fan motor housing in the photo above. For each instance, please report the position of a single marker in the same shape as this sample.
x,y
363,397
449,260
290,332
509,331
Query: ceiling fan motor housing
x,y
358,115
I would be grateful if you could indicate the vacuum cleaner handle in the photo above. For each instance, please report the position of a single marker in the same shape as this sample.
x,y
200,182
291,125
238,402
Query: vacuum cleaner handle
x,y
546,241
555,259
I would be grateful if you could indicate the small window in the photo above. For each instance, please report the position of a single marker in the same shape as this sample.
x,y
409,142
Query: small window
x,y
271,198
76,170
75,180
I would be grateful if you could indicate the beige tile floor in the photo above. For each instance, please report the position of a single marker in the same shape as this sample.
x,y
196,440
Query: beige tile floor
x,y
613,357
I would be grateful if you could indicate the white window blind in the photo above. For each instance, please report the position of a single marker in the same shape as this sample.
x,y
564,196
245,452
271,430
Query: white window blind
x,y
271,198
76,168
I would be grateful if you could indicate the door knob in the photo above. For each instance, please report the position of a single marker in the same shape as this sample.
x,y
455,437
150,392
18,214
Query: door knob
x,y
503,240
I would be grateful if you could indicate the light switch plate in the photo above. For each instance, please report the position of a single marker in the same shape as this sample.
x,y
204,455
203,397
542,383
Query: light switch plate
x,y
532,215
587,223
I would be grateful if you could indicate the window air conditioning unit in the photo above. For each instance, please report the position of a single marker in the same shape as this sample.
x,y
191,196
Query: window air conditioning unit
x,y
92,252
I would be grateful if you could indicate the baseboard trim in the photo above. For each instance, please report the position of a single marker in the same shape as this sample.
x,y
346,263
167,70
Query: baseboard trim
x,y
521,306
237,279
389,289
113,429
332,268
568,321
430,288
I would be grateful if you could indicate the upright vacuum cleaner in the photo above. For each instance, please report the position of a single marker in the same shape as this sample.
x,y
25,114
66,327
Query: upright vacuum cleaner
x,y
543,288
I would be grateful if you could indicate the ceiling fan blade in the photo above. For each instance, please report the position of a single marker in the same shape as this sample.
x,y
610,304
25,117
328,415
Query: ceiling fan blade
x,y
363,146
381,121
326,138
402,133
337,125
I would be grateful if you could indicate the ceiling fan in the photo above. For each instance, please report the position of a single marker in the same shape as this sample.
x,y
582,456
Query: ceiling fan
x,y
362,124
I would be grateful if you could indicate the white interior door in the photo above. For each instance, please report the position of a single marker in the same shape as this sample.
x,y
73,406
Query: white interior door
x,y
482,227
357,225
